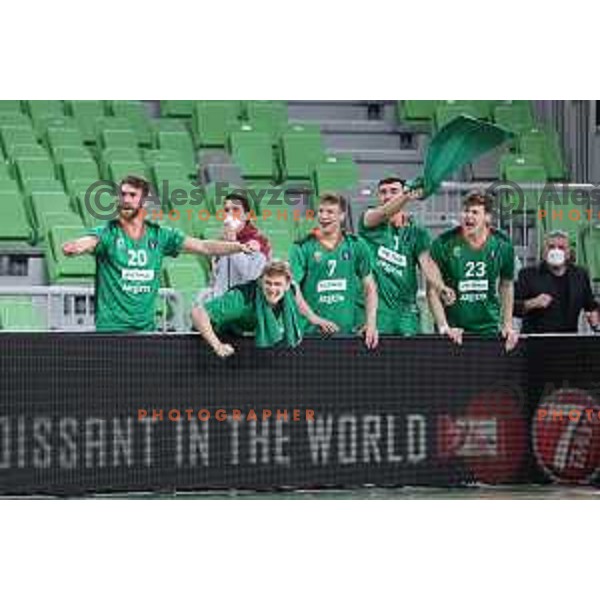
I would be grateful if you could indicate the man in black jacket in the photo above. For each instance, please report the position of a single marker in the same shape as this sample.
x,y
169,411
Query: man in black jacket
x,y
550,297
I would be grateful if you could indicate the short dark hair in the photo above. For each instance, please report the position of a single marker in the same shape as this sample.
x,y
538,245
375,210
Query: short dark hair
x,y
138,182
391,179
333,198
479,198
240,197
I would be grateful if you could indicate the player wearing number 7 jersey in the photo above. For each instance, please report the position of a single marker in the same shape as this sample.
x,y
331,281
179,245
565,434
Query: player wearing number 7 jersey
x,y
129,252
332,270
478,262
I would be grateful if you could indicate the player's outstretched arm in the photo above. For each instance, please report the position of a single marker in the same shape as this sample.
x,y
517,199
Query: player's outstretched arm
x,y
76,247
204,326
371,301
214,247
439,316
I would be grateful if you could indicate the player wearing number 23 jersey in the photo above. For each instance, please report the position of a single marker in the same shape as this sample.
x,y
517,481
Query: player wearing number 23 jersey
x,y
478,261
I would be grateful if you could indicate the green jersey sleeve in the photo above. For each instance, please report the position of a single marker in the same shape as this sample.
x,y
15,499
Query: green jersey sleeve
x,y
232,306
364,265
507,266
171,240
298,263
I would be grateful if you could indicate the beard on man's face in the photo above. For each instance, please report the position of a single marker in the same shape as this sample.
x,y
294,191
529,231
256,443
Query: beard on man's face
x,y
129,212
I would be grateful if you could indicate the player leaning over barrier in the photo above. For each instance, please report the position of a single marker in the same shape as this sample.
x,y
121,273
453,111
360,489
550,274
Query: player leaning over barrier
x,y
129,252
398,245
265,306
478,262
332,269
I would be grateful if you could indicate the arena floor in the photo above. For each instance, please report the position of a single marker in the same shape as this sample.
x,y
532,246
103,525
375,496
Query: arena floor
x,y
527,492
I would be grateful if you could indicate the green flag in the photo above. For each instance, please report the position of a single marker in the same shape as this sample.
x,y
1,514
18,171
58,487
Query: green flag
x,y
455,145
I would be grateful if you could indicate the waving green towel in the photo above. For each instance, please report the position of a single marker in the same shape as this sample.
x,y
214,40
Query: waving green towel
x,y
455,145
269,329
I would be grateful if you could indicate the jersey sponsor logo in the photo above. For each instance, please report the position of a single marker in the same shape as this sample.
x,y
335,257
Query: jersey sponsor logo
x,y
137,274
331,298
318,256
473,285
332,285
346,255
391,256
152,244
137,289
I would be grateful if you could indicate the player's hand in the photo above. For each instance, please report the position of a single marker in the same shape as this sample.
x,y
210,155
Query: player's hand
x,y
454,334
447,296
511,338
224,350
415,194
247,248
371,337
70,248
542,301
326,327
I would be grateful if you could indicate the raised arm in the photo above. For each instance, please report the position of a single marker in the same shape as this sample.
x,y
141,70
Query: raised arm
x,y
82,245
214,247
375,216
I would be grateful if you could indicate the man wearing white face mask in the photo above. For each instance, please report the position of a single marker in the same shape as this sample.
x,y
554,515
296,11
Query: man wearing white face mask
x,y
550,297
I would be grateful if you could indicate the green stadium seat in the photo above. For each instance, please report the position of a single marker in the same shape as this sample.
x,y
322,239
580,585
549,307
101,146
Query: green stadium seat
x,y
280,233
4,171
8,185
41,110
252,152
48,202
416,110
178,141
42,185
118,169
117,155
62,153
521,169
20,314
448,110
591,250
545,144
86,113
78,169
117,139
34,168
77,191
63,269
10,106
336,174
514,117
48,220
301,149
13,135
61,136
270,116
137,115
212,120
176,108
214,194
14,224
15,119
28,151
168,171
154,156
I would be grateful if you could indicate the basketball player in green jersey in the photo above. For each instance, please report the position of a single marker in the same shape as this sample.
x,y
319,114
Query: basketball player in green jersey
x,y
399,245
129,251
332,269
478,262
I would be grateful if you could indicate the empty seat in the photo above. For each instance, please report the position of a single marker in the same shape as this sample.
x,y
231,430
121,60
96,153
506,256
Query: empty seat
x,y
301,149
448,110
10,106
270,116
12,135
168,171
78,169
60,136
336,174
41,110
86,113
34,168
117,155
176,108
117,139
28,151
4,171
252,152
14,224
178,140
515,117
20,314
545,144
137,115
62,153
416,110
212,120
118,169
